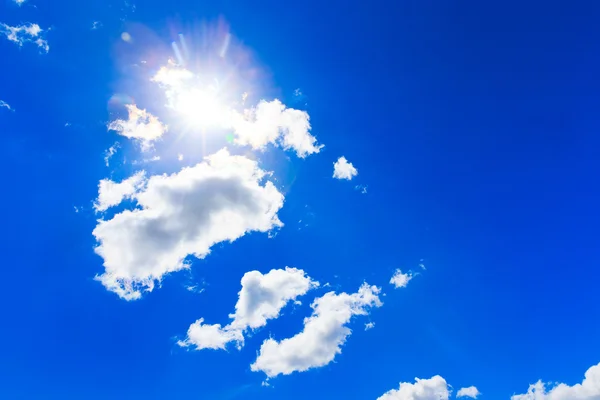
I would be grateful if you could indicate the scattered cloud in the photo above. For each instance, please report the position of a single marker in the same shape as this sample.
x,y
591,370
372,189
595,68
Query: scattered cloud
x,y
261,298
361,188
111,151
140,125
96,25
112,193
400,280
369,325
297,92
4,104
342,169
324,333
588,389
27,33
434,388
470,391
183,214
19,2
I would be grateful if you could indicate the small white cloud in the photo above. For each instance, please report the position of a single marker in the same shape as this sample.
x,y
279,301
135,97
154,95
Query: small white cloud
x,y
111,151
112,193
434,388
19,2
470,391
140,125
180,157
342,169
588,389
261,298
369,325
4,104
27,33
324,333
297,92
96,25
400,280
186,213
271,122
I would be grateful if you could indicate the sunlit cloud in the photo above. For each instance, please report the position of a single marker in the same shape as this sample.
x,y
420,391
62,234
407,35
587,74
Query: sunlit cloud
x,y
140,125
261,298
27,33
183,214
323,336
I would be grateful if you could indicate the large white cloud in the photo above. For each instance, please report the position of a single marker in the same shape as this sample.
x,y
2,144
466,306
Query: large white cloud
x,y
588,389
324,333
434,388
269,122
27,33
140,125
261,298
112,193
182,214
470,391
342,169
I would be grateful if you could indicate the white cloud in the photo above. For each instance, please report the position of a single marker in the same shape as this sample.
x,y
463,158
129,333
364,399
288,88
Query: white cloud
x,y
112,150
183,214
27,33
140,125
342,169
400,280
470,391
5,105
270,122
96,25
369,325
434,388
261,298
588,389
112,193
324,333
19,2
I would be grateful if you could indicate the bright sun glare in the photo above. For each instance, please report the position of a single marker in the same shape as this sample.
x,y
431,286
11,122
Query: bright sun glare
x,y
202,108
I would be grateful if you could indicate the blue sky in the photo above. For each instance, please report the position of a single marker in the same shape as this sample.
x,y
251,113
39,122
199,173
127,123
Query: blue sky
x,y
326,200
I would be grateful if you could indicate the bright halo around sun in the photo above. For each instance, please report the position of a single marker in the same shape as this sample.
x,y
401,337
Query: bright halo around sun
x,y
202,108
199,105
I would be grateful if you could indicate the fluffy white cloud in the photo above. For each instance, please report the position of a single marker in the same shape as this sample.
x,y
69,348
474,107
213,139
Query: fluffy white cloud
x,y
140,125
270,122
434,388
261,298
28,33
588,389
183,214
399,279
470,391
112,193
324,333
342,169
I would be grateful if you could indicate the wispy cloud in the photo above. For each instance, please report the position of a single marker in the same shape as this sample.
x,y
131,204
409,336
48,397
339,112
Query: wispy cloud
x,y
6,105
19,2
26,33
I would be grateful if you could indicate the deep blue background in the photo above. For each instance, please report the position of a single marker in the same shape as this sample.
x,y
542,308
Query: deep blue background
x,y
475,126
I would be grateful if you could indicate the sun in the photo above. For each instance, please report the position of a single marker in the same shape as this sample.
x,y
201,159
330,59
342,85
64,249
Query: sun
x,y
202,108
